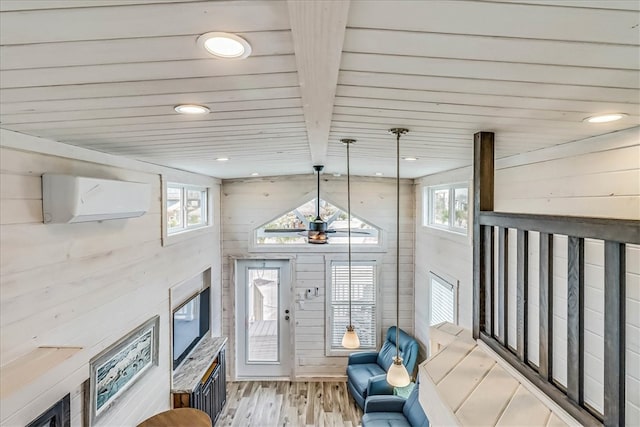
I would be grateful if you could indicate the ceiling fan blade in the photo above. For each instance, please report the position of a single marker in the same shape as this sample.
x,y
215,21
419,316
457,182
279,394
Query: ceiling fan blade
x,y
283,230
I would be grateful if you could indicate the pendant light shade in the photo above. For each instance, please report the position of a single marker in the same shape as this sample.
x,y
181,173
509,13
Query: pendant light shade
x,y
397,375
317,233
350,339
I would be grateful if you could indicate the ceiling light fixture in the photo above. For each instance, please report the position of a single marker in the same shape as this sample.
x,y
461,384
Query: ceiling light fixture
x,y
379,174
350,339
222,159
255,174
605,118
410,159
317,228
225,45
191,109
397,375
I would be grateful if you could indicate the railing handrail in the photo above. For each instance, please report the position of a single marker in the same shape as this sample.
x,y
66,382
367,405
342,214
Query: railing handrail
x,y
616,230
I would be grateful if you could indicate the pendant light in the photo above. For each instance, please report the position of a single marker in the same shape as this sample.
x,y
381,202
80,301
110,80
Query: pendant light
x,y
317,233
397,375
350,339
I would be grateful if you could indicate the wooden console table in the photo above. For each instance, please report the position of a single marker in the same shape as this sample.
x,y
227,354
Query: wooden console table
x,y
200,381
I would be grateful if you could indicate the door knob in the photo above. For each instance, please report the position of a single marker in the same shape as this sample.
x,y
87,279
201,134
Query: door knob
x,y
286,312
286,317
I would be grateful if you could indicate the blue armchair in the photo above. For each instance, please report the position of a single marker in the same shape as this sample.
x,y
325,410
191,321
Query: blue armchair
x,y
367,371
385,411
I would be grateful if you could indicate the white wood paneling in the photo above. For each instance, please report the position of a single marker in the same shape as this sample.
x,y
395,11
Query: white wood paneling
x,y
169,19
249,203
61,285
101,71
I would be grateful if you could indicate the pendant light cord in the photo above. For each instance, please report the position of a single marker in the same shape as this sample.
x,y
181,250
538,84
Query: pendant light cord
x,y
397,244
318,198
349,227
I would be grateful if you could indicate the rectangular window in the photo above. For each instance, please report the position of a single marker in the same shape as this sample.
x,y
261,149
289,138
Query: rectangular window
x,y
186,207
444,301
363,304
447,207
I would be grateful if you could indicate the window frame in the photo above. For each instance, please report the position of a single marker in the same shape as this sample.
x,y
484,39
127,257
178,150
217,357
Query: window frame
x,y
429,205
174,235
343,260
331,246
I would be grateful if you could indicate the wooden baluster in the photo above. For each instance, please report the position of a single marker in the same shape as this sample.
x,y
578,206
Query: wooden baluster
x,y
575,320
545,350
614,333
522,294
488,257
503,286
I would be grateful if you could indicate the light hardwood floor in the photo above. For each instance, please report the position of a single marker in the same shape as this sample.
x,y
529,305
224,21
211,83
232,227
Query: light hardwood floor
x,y
294,404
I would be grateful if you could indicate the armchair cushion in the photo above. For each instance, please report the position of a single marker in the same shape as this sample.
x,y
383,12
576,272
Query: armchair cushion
x,y
363,357
379,385
358,379
384,404
394,411
385,419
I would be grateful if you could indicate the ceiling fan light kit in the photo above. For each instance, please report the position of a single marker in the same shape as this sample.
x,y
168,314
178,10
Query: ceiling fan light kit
x,y
317,233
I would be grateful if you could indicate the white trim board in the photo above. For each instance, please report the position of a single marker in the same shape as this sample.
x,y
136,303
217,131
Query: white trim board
x,y
22,142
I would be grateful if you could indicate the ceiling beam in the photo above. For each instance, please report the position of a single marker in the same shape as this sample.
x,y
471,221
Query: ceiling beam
x,y
318,29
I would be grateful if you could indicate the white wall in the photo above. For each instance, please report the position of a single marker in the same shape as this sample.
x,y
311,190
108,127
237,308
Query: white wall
x,y
597,177
87,284
247,204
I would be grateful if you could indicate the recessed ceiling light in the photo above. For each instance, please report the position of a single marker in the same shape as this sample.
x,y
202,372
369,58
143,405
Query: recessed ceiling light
x,y
255,174
410,159
336,174
379,173
225,45
605,118
222,159
191,109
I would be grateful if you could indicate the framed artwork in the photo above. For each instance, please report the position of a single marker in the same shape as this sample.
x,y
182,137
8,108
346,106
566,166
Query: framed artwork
x,y
118,367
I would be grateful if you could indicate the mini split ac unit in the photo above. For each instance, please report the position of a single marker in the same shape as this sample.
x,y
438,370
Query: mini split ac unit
x,y
69,199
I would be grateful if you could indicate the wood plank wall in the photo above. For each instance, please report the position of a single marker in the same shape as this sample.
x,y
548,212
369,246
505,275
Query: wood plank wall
x,y
595,177
249,203
87,284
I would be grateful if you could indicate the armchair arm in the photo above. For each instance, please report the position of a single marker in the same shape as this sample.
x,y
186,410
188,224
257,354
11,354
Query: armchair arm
x,y
384,404
379,385
363,357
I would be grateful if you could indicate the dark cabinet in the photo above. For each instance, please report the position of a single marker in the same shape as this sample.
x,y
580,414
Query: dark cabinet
x,y
210,394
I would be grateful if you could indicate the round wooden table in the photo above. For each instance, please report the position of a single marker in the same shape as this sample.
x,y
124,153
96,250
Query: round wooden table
x,y
181,417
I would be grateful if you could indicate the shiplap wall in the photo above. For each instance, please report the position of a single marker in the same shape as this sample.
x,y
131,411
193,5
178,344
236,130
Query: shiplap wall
x,y
88,284
595,177
247,204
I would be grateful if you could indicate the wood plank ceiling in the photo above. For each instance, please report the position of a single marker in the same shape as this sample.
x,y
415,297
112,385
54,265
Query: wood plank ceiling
x,y
106,74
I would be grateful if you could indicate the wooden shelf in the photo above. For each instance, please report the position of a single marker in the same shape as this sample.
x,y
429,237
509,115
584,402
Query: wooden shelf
x,y
31,366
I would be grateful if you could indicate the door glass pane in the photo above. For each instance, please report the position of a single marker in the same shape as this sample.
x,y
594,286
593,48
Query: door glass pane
x,y
262,314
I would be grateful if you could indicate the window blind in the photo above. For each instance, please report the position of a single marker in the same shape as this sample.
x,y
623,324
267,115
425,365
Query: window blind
x,y
363,302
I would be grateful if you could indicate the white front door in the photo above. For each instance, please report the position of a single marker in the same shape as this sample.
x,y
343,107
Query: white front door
x,y
263,318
